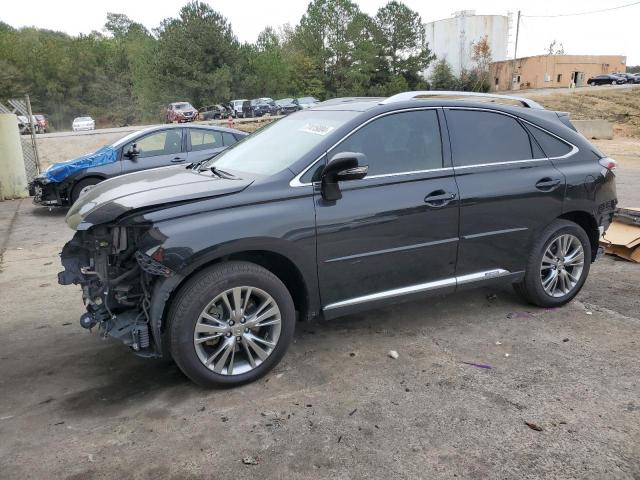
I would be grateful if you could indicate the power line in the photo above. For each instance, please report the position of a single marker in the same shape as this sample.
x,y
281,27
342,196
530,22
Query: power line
x,y
583,13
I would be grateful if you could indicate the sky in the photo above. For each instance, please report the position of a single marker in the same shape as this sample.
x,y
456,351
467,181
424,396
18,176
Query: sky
x,y
607,33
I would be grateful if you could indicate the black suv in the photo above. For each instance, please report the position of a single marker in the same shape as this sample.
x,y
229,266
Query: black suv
x,y
350,205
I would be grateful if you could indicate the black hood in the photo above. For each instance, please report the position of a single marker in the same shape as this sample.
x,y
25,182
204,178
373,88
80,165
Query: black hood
x,y
150,188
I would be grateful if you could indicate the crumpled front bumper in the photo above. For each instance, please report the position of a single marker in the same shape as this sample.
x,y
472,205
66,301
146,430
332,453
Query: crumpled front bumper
x,y
47,194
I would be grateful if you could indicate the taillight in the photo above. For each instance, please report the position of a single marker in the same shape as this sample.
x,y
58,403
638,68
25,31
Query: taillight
x,y
608,163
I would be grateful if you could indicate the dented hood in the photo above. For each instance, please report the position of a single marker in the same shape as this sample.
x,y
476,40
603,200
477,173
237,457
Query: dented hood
x,y
147,189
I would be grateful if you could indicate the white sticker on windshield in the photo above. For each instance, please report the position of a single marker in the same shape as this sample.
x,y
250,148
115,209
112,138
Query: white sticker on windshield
x,y
316,129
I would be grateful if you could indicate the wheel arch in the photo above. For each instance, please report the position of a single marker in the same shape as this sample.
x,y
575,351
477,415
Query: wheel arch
x,y
589,224
300,287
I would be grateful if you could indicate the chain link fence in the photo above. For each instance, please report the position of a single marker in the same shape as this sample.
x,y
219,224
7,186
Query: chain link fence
x,y
27,125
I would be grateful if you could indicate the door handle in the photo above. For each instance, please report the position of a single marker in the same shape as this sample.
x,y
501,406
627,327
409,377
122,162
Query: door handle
x,y
547,184
439,198
177,160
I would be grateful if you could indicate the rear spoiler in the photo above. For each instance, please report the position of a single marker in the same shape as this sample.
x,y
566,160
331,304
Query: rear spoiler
x,y
564,118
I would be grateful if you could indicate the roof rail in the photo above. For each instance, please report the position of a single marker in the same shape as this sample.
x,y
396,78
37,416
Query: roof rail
x,y
488,97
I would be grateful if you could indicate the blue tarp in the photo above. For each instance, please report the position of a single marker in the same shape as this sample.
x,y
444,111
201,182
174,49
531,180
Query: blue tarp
x,y
59,171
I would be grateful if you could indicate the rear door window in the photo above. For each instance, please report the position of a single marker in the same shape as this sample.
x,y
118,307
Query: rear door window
x,y
480,137
228,139
201,139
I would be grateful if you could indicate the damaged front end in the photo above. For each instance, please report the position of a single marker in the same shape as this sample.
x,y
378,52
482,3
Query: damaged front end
x,y
116,279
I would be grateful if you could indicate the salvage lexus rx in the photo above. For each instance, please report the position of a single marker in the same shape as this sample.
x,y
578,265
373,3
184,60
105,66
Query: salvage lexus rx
x,y
350,205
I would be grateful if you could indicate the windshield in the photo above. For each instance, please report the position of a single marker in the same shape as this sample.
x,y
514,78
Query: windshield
x,y
182,106
282,143
83,119
284,101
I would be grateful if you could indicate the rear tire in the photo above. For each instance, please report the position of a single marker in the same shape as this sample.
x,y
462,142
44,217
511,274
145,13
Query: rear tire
x,y
212,324
81,185
553,276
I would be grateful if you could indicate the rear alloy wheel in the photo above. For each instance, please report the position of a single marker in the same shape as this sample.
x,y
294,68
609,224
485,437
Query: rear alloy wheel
x,y
562,265
230,324
614,83
557,266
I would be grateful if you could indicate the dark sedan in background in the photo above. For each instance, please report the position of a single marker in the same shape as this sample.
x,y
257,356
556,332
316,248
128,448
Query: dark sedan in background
x,y
287,106
257,108
62,183
606,80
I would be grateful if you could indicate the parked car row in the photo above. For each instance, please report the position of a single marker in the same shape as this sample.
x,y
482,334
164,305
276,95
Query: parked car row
x,y
39,120
614,79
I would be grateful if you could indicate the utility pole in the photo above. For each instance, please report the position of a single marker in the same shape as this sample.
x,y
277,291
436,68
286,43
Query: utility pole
x,y
515,54
515,50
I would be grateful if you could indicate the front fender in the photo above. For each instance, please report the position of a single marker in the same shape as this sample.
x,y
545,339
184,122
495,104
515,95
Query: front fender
x,y
186,244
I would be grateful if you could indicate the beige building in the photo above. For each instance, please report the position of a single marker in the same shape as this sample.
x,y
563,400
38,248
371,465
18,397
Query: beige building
x,y
552,71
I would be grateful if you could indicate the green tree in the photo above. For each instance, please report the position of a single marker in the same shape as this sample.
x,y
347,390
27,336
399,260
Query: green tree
x,y
442,77
402,41
194,55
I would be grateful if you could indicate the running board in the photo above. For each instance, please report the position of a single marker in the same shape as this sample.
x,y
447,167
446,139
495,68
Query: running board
x,y
422,287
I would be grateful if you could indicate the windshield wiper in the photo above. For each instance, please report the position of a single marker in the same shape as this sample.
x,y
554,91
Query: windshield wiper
x,y
196,165
222,174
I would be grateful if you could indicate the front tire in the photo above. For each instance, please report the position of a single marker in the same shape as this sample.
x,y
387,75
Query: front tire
x,y
558,265
230,324
80,186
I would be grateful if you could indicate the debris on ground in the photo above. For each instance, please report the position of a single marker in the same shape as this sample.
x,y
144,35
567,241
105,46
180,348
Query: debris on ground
x,y
478,365
393,354
507,355
534,426
498,343
249,460
589,312
353,411
492,296
565,339
622,238
520,315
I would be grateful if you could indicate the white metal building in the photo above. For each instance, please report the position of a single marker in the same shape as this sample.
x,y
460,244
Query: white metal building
x,y
452,38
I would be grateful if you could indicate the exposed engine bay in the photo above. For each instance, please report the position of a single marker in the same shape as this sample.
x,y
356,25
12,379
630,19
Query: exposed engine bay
x,y
116,280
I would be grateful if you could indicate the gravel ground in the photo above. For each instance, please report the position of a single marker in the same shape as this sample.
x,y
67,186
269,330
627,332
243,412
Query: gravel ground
x,y
75,406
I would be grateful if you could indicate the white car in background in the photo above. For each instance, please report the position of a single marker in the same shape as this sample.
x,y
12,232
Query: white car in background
x,y
236,107
83,123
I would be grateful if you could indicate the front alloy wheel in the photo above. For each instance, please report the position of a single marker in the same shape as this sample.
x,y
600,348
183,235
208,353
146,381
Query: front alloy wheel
x,y
230,324
237,330
562,265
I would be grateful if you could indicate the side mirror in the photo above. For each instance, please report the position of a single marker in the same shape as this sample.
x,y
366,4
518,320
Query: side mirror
x,y
133,152
342,167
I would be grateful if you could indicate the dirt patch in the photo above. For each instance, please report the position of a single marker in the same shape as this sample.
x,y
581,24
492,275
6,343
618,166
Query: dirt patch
x,y
621,107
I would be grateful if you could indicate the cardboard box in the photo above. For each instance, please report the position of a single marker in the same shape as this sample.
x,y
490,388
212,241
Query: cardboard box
x,y
622,238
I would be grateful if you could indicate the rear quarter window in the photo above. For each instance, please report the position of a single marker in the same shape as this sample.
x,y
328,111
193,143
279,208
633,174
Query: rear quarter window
x,y
552,146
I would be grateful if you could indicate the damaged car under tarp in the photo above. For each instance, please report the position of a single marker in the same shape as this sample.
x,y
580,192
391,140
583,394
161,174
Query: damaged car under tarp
x,y
62,183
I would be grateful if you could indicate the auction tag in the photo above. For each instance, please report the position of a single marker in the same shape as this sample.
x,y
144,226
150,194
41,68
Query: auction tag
x,y
316,129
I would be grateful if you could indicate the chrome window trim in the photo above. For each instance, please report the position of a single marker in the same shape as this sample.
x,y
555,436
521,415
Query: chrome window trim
x,y
296,180
421,287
